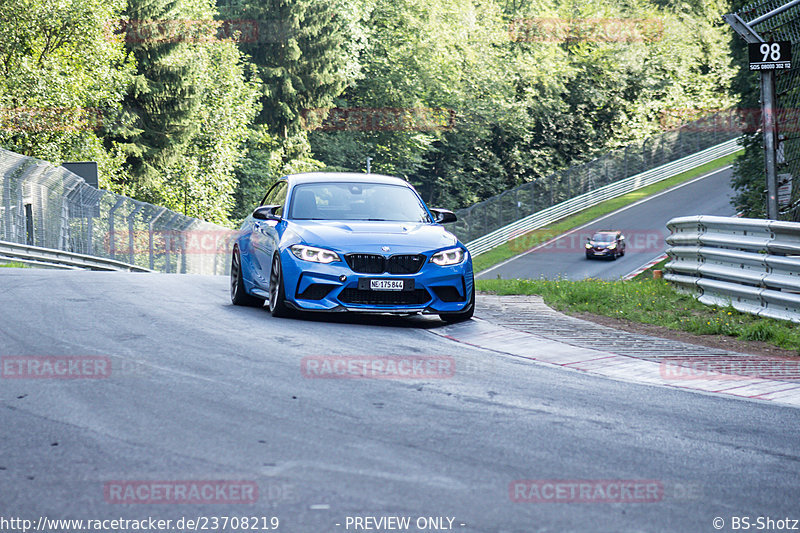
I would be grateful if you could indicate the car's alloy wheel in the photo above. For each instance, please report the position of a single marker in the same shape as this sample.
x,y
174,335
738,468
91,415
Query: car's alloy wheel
x,y
238,295
466,314
277,297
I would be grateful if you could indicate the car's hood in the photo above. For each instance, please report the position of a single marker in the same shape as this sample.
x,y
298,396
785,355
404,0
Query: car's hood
x,y
364,236
598,244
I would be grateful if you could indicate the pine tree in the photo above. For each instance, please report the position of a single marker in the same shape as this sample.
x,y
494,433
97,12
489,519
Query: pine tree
x,y
301,56
158,110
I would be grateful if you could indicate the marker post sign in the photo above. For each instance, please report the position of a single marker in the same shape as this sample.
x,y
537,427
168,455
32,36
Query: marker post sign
x,y
770,56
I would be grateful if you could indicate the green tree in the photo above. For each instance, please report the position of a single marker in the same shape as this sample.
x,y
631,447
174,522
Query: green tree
x,y
160,108
61,75
302,57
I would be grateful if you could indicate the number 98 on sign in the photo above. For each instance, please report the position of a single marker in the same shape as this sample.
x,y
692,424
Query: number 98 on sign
x,y
770,56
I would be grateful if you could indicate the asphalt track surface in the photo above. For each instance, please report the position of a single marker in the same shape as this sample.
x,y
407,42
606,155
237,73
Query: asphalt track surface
x,y
202,390
644,226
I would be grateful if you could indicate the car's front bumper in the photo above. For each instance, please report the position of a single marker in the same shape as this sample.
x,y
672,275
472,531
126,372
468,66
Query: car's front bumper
x,y
604,252
335,288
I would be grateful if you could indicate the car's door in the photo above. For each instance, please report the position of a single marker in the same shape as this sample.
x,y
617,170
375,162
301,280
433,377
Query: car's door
x,y
264,239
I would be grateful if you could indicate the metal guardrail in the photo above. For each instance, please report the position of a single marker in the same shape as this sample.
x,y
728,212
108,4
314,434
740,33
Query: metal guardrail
x,y
49,258
613,190
751,264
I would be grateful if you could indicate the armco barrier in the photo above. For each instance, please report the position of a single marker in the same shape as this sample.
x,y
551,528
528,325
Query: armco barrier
x,y
45,257
751,264
613,190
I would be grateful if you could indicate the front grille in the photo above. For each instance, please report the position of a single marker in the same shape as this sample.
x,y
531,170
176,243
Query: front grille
x,y
448,293
316,291
405,264
365,263
377,264
356,296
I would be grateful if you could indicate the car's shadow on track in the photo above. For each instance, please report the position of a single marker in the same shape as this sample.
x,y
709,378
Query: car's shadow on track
x,y
393,321
387,320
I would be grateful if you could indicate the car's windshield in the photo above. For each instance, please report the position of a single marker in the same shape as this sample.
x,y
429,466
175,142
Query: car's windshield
x,y
356,201
603,237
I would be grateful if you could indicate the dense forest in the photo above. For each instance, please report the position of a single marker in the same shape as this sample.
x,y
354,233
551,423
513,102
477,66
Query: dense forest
x,y
199,106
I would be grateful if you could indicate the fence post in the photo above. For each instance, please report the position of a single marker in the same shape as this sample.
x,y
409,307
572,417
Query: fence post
x,y
133,214
111,236
153,221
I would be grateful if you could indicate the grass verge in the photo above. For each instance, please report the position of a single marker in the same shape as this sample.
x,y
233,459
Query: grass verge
x,y
651,301
529,240
13,265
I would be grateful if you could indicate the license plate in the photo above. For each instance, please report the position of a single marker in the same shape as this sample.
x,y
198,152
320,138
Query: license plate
x,y
386,284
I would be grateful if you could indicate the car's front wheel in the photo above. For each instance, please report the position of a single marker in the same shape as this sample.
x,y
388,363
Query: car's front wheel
x,y
277,296
460,316
238,295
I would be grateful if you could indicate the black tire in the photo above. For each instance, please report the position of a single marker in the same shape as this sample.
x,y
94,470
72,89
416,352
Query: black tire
x,y
461,316
588,256
238,294
622,253
277,295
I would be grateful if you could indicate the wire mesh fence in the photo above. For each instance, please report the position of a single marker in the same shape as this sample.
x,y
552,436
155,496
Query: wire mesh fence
x,y
783,27
47,206
531,197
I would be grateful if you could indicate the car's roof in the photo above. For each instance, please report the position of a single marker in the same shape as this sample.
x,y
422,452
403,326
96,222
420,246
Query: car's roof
x,y
606,232
316,177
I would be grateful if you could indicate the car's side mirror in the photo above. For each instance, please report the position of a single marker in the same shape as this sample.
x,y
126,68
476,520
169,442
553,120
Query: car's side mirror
x,y
266,212
443,216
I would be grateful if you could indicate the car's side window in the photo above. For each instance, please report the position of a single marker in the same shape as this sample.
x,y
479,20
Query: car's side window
x,y
276,196
280,198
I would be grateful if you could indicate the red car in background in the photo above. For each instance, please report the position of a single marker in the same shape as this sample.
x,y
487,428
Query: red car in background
x,y
606,244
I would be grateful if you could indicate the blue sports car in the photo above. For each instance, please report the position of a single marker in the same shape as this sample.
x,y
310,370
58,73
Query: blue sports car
x,y
351,242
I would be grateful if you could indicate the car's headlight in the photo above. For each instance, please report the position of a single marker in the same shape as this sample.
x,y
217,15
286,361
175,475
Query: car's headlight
x,y
453,256
314,254
612,246
588,245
